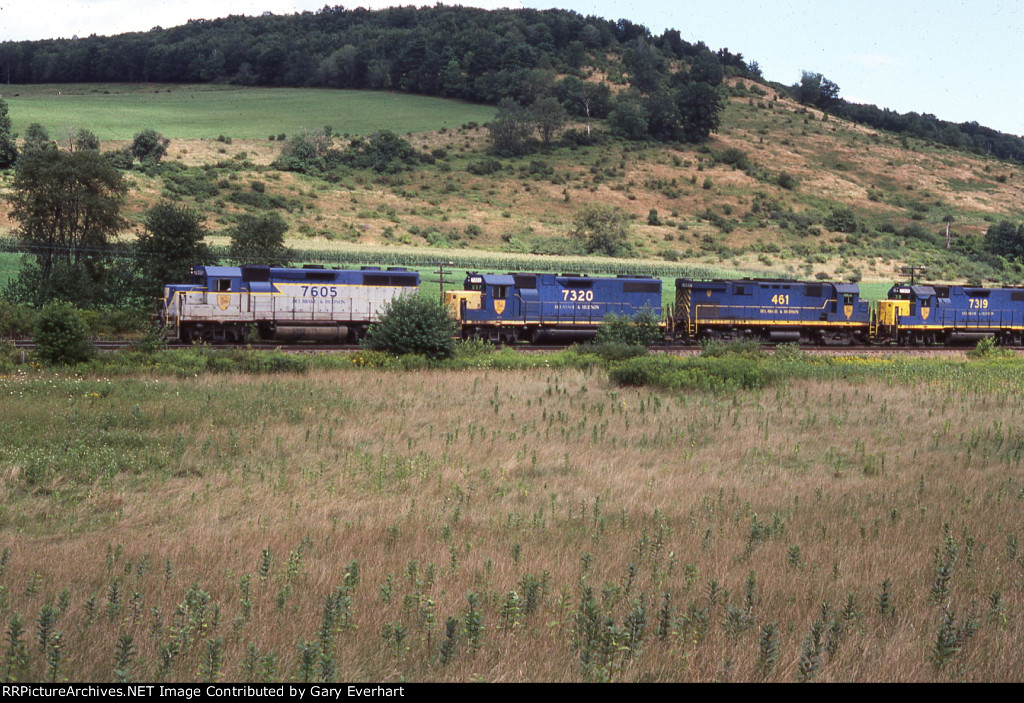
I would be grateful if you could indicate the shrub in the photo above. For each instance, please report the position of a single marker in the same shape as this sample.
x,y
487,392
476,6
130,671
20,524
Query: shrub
x,y
787,181
16,321
484,168
988,348
717,374
734,157
149,146
641,330
841,219
737,347
60,335
602,230
616,351
414,325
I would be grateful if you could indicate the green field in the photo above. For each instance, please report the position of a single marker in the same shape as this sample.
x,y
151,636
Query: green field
x,y
206,112
9,266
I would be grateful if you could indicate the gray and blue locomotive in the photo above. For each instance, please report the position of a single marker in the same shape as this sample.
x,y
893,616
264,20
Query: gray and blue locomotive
x,y
222,303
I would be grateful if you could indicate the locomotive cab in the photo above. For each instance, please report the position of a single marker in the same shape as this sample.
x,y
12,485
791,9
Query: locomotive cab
x,y
903,317
895,306
472,298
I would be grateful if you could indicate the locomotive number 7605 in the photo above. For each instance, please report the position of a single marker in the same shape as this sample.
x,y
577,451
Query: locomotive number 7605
x,y
319,292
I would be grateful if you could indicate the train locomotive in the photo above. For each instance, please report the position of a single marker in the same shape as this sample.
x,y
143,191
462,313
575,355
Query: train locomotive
x,y
949,314
533,307
222,303
770,311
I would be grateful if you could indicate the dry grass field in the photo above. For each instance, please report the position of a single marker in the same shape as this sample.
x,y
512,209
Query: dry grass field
x,y
539,525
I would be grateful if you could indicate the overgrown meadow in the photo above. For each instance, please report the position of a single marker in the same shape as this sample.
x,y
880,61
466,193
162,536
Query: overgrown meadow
x,y
182,516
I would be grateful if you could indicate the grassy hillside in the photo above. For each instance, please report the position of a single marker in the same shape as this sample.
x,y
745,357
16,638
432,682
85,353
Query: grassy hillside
x,y
117,112
765,194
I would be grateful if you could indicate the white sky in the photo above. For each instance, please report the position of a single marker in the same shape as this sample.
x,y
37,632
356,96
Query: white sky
x,y
957,59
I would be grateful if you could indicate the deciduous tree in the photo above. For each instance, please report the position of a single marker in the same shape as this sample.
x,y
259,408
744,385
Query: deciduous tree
x,y
816,90
8,151
1006,239
259,240
149,146
700,109
67,205
511,129
171,243
549,116
602,230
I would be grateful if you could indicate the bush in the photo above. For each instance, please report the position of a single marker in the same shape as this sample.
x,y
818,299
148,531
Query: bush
x,y
60,335
149,146
603,230
716,374
643,329
414,325
484,168
988,348
616,351
787,181
16,321
841,219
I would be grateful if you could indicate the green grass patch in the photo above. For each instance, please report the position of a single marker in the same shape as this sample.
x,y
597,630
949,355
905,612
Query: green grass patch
x,y
10,264
206,112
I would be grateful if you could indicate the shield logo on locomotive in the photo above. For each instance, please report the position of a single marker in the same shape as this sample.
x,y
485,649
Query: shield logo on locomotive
x,y
847,310
223,301
499,306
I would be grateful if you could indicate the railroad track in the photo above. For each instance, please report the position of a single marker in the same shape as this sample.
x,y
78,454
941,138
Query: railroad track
x,y
678,349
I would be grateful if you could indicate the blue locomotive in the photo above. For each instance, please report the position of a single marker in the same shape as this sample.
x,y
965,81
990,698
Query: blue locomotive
x,y
949,314
222,303
524,307
770,311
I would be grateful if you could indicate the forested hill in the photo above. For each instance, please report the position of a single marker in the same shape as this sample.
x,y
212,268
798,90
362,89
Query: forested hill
x,y
454,52
590,64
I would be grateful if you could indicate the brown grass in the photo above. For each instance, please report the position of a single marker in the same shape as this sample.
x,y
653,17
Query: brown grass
x,y
399,471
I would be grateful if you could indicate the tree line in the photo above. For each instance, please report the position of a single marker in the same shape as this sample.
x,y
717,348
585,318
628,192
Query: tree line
x,y
455,52
818,91
67,203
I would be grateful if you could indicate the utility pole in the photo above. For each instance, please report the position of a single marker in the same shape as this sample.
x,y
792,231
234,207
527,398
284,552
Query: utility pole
x,y
912,271
441,274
